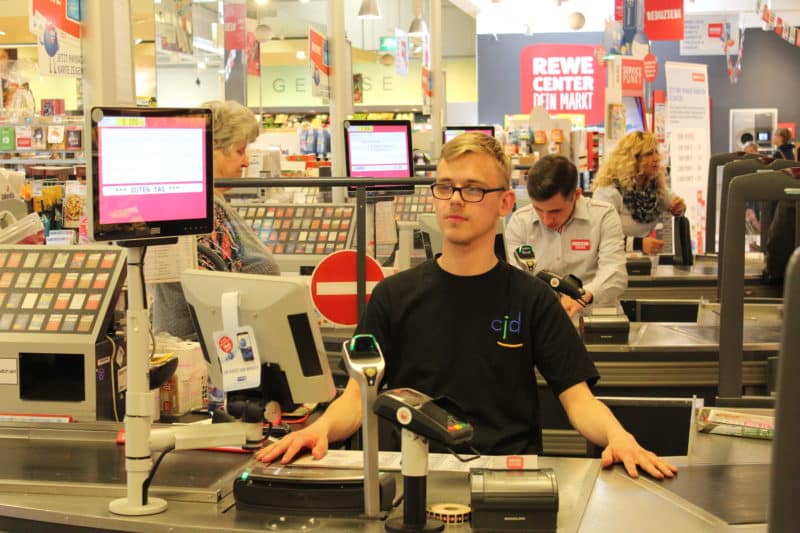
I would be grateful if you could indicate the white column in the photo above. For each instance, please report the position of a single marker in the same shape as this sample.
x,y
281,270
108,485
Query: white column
x,y
341,84
438,101
107,42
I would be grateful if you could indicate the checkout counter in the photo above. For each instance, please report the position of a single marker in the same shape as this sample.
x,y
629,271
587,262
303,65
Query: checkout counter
x,y
63,479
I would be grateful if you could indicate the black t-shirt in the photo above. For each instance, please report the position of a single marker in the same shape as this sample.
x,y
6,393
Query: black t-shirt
x,y
476,340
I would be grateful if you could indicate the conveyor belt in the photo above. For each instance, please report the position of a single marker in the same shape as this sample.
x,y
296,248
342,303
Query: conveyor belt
x,y
54,465
734,493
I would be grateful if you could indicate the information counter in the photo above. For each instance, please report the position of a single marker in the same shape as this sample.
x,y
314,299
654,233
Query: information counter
x,y
62,479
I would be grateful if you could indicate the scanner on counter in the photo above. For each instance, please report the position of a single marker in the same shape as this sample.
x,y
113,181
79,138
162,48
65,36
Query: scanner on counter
x,y
525,257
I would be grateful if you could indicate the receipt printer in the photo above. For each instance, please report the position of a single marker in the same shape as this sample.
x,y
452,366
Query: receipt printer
x,y
606,329
525,500
638,266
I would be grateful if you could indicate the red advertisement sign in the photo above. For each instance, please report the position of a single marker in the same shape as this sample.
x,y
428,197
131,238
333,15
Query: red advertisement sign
x,y
253,55
562,78
234,17
619,10
316,49
58,15
650,66
632,77
663,20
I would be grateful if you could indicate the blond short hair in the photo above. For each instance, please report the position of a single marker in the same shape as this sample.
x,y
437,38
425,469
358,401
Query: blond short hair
x,y
233,124
622,164
479,143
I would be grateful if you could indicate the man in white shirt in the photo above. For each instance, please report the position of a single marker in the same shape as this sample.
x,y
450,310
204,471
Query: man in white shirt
x,y
570,234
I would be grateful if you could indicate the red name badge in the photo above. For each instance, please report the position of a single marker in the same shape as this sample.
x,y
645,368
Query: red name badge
x,y
580,245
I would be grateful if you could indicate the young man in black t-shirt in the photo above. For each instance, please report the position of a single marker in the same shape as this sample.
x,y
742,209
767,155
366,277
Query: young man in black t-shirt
x,y
468,326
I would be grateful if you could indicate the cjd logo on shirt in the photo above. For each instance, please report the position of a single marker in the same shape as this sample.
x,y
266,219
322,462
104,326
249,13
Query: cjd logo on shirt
x,y
506,327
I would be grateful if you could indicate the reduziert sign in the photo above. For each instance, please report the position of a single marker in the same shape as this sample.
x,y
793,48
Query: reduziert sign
x,y
563,78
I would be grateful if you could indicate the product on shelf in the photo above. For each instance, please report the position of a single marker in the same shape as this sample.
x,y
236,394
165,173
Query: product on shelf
x,y
301,229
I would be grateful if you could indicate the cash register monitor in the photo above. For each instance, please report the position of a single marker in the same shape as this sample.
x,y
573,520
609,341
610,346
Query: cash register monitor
x,y
280,311
451,132
379,149
432,236
151,172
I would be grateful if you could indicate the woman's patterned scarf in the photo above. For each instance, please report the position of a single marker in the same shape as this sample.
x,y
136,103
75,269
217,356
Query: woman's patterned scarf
x,y
643,205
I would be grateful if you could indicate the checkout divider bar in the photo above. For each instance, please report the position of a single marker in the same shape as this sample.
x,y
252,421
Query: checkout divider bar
x,y
361,185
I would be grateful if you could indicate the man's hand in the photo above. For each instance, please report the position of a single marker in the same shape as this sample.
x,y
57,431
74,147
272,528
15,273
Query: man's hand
x,y
677,206
651,245
623,448
314,437
572,307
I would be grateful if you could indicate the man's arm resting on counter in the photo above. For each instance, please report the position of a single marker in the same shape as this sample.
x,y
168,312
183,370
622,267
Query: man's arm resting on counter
x,y
340,420
595,421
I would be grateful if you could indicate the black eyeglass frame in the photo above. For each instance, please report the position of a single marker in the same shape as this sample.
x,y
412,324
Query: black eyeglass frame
x,y
460,190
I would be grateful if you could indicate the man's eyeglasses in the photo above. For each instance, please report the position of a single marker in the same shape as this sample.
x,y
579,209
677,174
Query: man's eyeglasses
x,y
443,191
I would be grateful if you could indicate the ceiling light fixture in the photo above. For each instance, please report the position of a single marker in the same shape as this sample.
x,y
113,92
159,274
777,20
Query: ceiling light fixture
x,y
263,33
301,55
418,28
369,10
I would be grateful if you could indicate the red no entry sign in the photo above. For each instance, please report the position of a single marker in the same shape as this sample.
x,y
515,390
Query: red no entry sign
x,y
333,286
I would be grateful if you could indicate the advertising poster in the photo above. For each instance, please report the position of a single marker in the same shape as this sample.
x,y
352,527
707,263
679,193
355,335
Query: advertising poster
x,y
253,55
688,127
426,76
358,89
564,79
57,26
401,54
235,17
174,26
318,64
708,34
663,20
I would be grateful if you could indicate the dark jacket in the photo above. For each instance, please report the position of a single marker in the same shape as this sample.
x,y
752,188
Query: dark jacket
x,y
784,151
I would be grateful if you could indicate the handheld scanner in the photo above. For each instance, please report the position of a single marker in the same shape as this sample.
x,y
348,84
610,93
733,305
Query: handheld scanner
x,y
569,284
364,360
525,256
421,414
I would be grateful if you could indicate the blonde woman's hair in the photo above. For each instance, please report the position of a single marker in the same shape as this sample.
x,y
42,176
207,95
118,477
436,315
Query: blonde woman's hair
x,y
233,124
785,134
479,143
622,164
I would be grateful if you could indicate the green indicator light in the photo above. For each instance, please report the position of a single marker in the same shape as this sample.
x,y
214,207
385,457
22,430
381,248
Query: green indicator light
x,y
245,475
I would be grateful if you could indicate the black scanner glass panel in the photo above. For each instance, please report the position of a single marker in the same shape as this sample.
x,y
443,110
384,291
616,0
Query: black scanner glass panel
x,y
52,377
304,344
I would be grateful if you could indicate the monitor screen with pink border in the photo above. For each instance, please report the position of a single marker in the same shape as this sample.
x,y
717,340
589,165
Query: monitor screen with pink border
x,y
379,149
151,172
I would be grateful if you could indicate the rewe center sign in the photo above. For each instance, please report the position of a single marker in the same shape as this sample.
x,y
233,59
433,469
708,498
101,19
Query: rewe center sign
x,y
564,78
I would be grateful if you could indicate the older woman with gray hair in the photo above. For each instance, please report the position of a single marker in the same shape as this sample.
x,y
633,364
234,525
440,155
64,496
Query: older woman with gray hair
x,y
233,244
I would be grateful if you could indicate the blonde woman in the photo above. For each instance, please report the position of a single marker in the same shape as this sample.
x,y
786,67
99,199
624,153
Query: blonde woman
x,y
632,179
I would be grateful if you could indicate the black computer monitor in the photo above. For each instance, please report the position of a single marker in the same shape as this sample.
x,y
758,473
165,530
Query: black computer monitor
x,y
379,149
151,172
451,132
286,335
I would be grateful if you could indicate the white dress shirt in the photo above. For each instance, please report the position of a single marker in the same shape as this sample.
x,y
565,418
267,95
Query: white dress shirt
x,y
590,246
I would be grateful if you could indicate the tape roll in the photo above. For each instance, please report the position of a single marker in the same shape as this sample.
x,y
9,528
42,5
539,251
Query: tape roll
x,y
449,513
